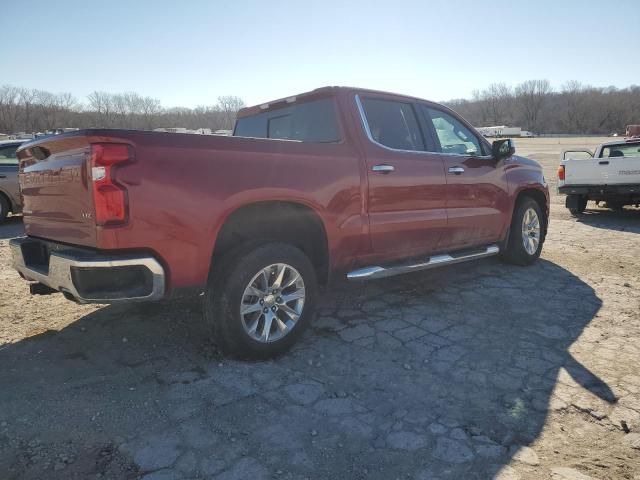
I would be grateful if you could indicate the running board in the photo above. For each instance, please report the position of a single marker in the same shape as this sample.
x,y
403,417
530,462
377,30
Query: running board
x,y
433,262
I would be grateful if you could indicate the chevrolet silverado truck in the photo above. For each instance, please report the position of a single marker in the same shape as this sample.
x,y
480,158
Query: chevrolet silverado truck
x,y
334,183
610,175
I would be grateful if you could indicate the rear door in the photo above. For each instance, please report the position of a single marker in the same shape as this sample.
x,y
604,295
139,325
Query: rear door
x,y
406,183
477,195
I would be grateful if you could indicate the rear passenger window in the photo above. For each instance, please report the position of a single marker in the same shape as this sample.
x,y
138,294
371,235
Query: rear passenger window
x,y
393,124
313,122
453,136
280,127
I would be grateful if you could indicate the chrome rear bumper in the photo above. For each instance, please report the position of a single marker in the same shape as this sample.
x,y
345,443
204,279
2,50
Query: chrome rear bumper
x,y
87,276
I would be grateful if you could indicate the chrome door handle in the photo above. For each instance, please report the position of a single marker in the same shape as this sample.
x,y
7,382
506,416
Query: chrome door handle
x,y
383,168
456,170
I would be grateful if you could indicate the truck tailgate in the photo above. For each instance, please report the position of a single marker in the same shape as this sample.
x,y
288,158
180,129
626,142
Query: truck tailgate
x,y
603,171
56,192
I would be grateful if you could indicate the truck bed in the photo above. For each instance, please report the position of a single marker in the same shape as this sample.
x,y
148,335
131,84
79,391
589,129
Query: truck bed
x,y
176,198
603,171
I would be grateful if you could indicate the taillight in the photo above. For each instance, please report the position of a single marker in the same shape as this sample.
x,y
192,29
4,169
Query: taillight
x,y
109,197
561,172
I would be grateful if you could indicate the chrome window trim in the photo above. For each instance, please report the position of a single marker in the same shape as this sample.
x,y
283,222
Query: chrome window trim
x,y
365,126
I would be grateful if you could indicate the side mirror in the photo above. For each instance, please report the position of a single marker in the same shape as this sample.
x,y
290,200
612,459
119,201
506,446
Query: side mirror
x,y
503,148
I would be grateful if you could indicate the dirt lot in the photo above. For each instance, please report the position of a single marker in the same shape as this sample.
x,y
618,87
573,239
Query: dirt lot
x,y
477,371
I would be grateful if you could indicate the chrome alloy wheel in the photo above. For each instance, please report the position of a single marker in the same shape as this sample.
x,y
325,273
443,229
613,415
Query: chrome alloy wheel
x,y
272,302
530,231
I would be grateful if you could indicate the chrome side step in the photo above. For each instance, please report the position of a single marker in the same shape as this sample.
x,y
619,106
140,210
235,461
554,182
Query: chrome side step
x,y
435,261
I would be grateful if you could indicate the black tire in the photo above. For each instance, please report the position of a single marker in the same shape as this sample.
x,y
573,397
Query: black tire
x,y
4,208
225,290
614,205
515,251
581,206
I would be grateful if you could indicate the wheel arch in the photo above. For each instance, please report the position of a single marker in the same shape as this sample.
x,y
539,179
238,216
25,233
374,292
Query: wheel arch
x,y
272,220
540,198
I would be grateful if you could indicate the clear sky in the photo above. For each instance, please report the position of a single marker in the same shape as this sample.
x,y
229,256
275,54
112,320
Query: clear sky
x,y
188,52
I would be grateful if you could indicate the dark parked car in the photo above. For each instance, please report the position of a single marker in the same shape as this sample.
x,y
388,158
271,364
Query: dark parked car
x,y
9,190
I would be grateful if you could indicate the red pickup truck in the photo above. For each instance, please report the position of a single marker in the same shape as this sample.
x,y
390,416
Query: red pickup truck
x,y
331,183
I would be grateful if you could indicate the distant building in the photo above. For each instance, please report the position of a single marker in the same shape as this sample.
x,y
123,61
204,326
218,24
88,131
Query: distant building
x,y
21,136
504,131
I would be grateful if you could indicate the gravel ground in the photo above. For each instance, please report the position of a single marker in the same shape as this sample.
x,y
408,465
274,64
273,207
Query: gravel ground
x,y
477,371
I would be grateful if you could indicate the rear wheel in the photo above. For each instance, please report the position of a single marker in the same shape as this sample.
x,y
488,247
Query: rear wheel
x,y
261,300
4,208
526,235
579,203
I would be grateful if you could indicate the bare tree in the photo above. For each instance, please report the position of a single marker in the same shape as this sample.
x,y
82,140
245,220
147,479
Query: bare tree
x,y
101,108
27,100
500,102
150,109
9,109
530,97
229,105
575,101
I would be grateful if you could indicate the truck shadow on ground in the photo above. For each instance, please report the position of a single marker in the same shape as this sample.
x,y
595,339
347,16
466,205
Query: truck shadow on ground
x,y
11,227
627,220
442,374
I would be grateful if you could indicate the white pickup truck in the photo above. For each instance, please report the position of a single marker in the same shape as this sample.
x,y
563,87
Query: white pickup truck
x,y
610,175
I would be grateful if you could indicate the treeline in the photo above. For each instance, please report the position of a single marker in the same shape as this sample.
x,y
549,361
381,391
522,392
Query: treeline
x,y
536,106
31,110
533,105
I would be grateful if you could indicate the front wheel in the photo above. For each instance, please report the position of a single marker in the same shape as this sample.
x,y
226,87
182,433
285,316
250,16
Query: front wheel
x,y
526,234
261,300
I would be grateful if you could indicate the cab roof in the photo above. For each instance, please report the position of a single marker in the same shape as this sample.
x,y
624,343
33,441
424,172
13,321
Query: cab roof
x,y
317,93
626,141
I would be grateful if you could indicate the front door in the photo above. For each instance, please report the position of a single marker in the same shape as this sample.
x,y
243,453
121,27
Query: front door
x,y
406,183
477,190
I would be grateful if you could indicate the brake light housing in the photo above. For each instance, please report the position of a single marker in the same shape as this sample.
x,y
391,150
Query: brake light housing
x,y
561,172
109,197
